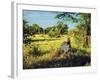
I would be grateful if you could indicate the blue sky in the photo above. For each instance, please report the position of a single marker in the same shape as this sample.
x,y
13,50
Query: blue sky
x,y
43,18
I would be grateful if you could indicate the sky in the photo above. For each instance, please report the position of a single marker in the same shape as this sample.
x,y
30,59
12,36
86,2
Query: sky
x,y
43,18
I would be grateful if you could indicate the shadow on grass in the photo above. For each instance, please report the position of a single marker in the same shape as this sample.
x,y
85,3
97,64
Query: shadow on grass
x,y
36,40
28,41
73,61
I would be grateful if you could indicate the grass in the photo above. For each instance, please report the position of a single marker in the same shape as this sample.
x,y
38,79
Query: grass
x,y
44,50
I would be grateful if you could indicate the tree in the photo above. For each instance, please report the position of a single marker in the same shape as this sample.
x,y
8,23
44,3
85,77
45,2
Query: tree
x,y
48,29
80,18
62,28
41,30
51,33
25,29
26,32
35,28
57,30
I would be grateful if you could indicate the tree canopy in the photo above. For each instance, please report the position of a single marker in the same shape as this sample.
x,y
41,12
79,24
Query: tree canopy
x,y
83,21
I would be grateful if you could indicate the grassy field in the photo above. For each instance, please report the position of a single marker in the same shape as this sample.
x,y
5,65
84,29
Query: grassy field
x,y
44,52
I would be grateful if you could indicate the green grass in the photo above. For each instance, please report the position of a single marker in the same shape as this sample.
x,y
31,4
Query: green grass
x,y
48,43
48,48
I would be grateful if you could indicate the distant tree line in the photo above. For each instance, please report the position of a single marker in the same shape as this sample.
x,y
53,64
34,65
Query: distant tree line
x,y
52,31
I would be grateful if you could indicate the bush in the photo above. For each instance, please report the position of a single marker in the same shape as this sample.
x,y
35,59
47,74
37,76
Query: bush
x,y
35,51
54,34
51,34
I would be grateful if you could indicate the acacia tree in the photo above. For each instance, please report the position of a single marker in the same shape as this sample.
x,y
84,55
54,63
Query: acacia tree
x,y
81,18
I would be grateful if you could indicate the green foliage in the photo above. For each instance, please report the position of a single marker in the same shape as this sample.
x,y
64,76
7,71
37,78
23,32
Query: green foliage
x,y
48,29
67,16
57,30
36,29
83,20
25,28
35,51
52,33
64,29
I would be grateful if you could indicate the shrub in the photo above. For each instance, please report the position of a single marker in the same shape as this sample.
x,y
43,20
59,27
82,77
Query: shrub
x,y
51,34
54,33
35,51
